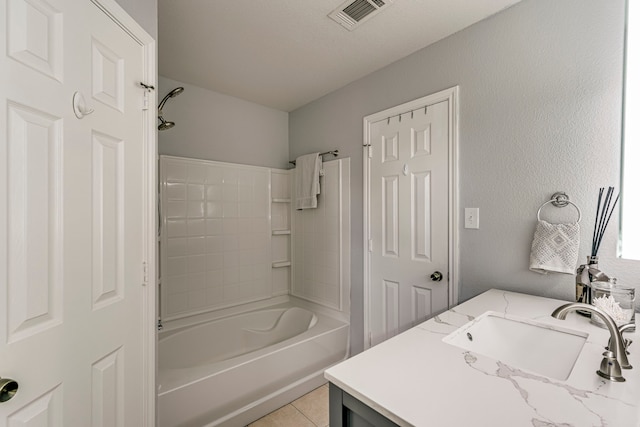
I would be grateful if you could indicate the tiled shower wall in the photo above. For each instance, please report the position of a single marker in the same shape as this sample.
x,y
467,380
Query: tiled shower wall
x,y
215,246
229,237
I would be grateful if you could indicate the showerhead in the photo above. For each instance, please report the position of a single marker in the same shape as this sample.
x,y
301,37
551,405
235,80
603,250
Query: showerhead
x,y
164,125
177,91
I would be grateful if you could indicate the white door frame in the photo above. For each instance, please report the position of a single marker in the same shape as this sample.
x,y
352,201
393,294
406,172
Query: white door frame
x,y
451,95
114,11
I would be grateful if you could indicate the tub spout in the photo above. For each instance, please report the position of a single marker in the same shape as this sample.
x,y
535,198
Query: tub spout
x,y
618,355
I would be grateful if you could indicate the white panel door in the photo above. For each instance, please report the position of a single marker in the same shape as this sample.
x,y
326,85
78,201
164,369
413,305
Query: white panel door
x,y
71,217
408,224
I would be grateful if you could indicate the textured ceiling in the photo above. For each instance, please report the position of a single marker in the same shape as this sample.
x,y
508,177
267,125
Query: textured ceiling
x,y
286,53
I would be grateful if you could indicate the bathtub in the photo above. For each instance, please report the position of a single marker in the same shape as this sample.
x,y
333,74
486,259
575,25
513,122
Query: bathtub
x,y
233,370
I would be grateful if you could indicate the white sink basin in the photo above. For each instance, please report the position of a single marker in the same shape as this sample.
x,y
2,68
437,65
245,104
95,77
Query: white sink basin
x,y
537,347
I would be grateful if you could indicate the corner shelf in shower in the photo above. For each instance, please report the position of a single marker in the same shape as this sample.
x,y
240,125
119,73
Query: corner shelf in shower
x,y
281,232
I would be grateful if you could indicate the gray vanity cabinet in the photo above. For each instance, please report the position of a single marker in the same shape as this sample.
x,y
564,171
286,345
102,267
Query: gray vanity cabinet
x,y
347,411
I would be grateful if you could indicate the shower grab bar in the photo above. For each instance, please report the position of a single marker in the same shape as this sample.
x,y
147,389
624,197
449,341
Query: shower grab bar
x,y
334,152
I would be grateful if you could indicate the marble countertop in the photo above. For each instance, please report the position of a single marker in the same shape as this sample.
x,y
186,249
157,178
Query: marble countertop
x,y
415,379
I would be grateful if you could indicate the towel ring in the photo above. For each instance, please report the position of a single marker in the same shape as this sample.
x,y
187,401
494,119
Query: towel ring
x,y
561,200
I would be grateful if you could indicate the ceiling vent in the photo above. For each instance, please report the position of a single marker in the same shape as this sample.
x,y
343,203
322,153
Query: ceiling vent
x,y
352,14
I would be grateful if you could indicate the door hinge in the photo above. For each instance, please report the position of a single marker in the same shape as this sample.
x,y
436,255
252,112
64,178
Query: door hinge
x,y
369,151
145,273
370,244
145,101
147,88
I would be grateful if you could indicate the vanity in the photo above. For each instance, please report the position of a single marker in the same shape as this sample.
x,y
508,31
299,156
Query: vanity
x,y
417,379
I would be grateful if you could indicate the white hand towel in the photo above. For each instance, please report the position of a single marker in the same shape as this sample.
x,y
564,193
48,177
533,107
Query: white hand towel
x,y
307,181
555,248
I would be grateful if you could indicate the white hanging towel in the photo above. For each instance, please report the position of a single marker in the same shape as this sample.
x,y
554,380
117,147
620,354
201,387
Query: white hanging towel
x,y
307,181
555,248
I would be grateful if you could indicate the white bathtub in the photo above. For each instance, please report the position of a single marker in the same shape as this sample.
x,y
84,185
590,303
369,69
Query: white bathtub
x,y
231,371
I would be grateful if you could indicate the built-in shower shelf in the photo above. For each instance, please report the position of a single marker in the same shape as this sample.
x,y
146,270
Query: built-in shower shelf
x,y
280,238
280,232
280,264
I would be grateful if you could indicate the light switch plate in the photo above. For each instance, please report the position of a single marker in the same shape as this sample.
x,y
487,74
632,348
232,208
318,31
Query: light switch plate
x,y
472,218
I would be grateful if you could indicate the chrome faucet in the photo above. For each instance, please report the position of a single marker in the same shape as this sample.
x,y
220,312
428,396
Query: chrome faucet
x,y
616,356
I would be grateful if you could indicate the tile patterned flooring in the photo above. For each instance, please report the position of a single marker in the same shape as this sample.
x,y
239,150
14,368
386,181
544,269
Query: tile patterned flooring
x,y
311,410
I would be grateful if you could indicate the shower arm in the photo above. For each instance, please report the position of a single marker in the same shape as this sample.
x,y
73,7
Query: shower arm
x,y
164,101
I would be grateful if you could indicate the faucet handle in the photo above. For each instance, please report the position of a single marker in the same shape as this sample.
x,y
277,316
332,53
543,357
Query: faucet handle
x,y
610,368
630,327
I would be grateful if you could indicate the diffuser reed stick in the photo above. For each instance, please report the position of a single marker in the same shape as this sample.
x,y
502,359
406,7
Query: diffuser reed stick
x,y
604,211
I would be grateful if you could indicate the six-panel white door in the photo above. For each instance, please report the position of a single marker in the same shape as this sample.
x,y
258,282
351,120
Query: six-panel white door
x,y
408,225
71,217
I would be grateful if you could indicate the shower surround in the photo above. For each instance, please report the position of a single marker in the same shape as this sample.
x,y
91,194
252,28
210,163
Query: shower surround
x,y
231,244
215,240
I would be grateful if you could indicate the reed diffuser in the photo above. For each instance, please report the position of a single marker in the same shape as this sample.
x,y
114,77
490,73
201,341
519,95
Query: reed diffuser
x,y
602,218
590,272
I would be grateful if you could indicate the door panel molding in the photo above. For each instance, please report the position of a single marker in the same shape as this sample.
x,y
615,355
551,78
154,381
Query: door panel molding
x,y
421,304
34,244
35,36
391,305
421,217
390,226
421,145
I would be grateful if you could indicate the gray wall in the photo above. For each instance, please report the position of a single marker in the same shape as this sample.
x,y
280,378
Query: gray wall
x,y
213,126
145,12
540,110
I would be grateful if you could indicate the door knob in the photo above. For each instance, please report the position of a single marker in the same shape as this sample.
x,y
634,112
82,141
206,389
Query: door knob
x,y
436,276
8,389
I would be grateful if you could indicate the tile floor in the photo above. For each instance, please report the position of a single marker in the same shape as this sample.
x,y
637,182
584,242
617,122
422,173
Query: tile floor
x,y
311,410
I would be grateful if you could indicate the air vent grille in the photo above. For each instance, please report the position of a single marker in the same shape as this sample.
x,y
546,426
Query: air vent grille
x,y
359,9
353,13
